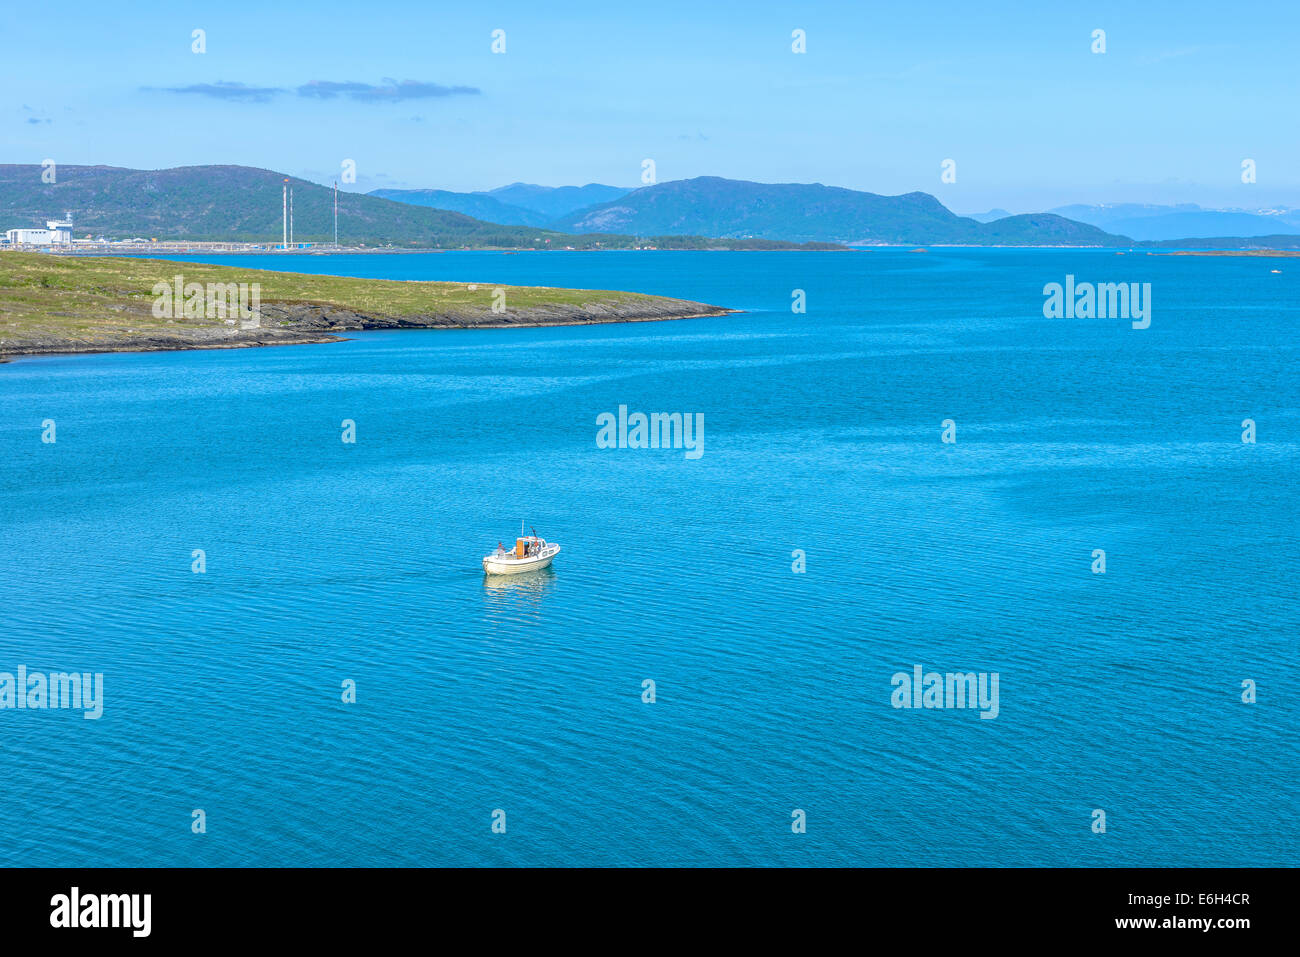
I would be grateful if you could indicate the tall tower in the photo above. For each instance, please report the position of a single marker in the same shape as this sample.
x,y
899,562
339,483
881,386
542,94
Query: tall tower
x,y
284,214
336,214
290,215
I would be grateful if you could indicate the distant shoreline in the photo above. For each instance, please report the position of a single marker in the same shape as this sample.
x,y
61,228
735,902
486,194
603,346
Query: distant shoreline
x,y
184,249
147,345
1265,253
188,250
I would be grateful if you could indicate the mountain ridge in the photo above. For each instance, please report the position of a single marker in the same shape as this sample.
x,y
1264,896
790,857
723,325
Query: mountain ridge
x,y
1149,222
228,203
231,203
813,212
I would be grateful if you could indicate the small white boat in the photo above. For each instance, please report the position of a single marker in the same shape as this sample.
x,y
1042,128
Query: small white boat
x,y
529,554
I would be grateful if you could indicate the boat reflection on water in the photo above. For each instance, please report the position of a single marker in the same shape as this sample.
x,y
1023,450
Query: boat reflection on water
x,y
518,596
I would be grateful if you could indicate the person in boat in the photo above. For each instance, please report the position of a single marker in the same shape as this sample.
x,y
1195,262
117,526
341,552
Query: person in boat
x,y
501,550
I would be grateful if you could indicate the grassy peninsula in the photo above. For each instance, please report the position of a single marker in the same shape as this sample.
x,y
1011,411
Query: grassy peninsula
x,y
61,304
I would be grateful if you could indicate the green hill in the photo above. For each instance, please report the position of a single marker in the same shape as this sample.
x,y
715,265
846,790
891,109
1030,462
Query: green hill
x,y
242,204
52,304
797,212
233,203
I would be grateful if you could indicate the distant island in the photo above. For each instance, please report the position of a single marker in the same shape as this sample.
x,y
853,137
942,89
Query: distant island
x,y
1229,243
1263,253
60,304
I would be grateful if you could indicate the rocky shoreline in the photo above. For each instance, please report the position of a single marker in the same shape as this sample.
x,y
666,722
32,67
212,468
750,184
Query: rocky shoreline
x,y
302,323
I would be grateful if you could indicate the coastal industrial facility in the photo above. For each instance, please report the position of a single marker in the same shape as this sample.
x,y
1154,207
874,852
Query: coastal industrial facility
x,y
57,232
56,237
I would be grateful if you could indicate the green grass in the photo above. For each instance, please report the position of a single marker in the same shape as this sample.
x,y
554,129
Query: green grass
x,y
105,298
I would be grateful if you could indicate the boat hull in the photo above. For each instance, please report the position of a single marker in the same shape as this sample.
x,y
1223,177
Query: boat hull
x,y
515,566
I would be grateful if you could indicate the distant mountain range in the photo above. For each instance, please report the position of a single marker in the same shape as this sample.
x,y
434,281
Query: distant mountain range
x,y
802,212
737,209
988,217
1184,221
242,204
231,203
479,205
519,204
556,201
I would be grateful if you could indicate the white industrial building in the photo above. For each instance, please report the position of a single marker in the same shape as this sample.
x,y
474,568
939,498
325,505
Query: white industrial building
x,y
57,232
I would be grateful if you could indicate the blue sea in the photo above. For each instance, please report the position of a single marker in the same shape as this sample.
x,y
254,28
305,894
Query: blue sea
x,y
523,700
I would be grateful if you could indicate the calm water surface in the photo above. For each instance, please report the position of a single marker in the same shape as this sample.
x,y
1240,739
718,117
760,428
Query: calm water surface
x,y
328,561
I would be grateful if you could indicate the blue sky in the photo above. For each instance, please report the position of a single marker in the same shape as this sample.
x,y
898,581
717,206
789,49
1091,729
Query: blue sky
x,y
586,91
